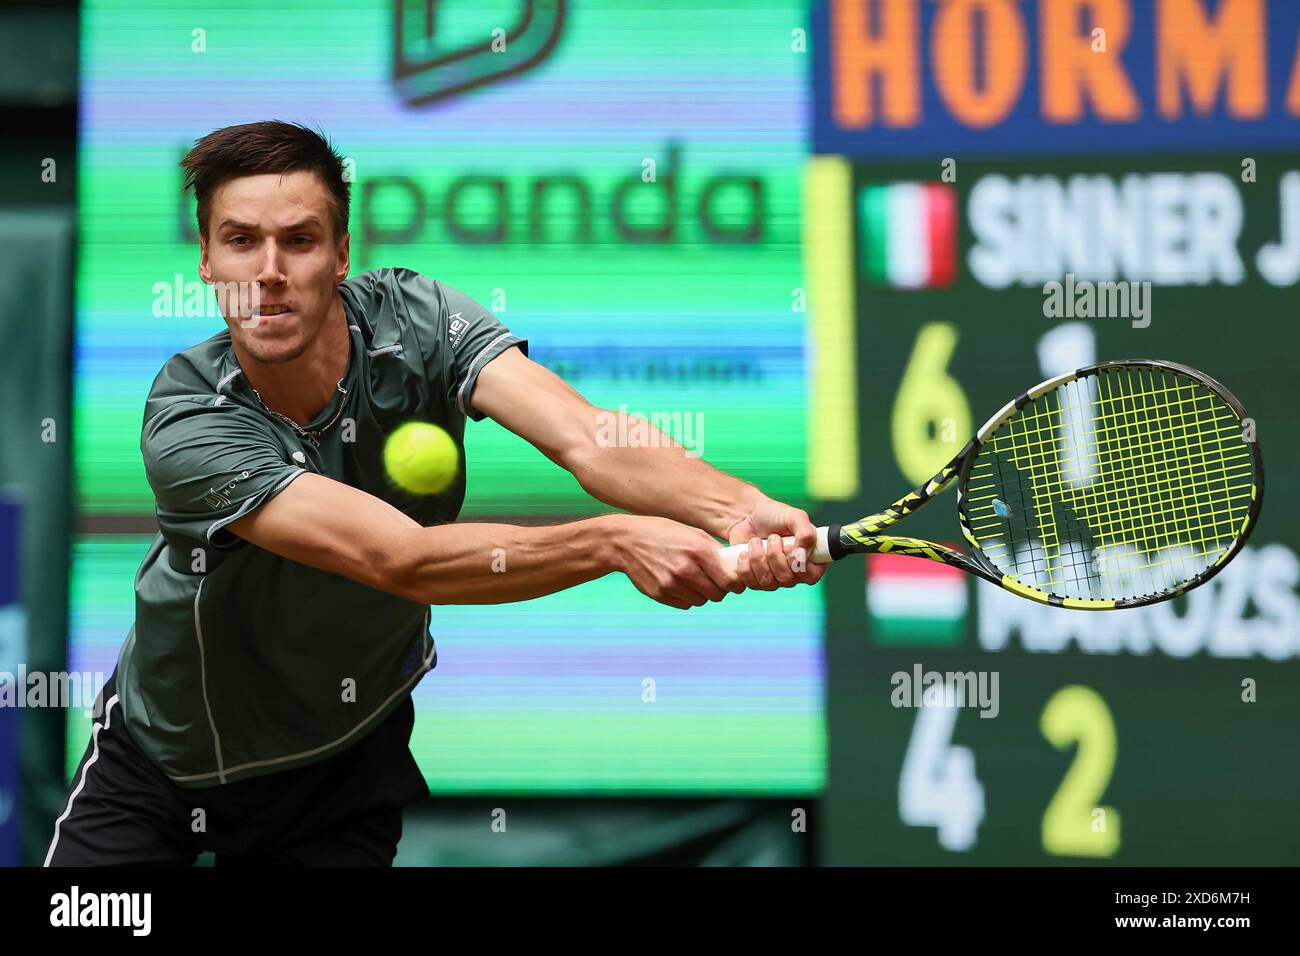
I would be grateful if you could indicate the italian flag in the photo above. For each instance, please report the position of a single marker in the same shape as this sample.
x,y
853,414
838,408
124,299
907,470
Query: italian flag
x,y
915,601
909,234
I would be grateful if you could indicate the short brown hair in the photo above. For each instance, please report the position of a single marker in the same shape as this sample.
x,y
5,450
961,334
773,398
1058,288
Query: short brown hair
x,y
270,146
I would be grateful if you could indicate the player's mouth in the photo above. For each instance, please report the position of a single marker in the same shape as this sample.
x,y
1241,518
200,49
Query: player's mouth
x,y
264,311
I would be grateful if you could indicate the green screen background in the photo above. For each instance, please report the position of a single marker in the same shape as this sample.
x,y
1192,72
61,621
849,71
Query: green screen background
x,y
545,696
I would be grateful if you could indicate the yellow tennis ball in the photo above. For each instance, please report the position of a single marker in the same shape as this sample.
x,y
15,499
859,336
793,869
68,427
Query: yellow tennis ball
x,y
421,458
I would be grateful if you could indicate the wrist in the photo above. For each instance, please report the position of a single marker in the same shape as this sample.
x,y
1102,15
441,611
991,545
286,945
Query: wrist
x,y
610,533
747,502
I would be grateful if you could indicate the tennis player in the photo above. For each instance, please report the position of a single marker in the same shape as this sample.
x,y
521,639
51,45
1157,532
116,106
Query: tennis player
x,y
261,704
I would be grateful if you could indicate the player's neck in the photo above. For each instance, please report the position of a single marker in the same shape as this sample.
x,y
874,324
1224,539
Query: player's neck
x,y
302,387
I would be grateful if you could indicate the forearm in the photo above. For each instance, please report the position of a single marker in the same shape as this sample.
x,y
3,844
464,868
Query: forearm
x,y
655,476
482,563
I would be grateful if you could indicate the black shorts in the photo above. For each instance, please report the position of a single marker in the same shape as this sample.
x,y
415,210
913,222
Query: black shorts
x,y
345,810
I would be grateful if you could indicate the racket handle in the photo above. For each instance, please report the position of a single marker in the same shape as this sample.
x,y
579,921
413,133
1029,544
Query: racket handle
x,y
821,550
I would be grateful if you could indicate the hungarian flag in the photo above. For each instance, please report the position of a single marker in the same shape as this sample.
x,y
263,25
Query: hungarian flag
x,y
909,234
915,601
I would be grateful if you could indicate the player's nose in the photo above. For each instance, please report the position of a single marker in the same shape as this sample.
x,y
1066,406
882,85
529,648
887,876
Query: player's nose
x,y
271,267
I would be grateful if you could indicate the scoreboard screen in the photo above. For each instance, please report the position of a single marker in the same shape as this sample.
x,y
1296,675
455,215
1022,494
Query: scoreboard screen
x,y
953,272
1156,735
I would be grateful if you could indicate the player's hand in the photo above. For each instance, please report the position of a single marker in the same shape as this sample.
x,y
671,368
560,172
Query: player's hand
x,y
674,563
778,568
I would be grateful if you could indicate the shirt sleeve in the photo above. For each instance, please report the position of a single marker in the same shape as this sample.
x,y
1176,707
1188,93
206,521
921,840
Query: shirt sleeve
x,y
209,465
458,336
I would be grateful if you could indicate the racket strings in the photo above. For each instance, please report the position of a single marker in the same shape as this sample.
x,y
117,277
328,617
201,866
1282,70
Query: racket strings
x,y
1139,468
1115,485
1134,450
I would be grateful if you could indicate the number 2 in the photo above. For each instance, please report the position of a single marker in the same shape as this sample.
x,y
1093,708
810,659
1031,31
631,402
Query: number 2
x,y
1074,824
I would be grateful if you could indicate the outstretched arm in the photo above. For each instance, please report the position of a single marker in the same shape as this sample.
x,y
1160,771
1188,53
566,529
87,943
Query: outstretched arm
x,y
653,476
334,527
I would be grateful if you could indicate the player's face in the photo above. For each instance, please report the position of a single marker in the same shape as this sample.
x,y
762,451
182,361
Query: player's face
x,y
275,262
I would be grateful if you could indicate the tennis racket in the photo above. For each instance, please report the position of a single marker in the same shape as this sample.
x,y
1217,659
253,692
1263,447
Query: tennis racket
x,y
1116,485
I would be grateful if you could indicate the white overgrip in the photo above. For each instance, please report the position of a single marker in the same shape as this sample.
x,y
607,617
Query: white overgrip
x,y
821,551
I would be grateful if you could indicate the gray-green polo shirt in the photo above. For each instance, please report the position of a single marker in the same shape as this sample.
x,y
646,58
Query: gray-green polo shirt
x,y
241,662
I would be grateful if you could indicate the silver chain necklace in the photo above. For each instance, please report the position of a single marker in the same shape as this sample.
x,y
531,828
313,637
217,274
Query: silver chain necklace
x,y
312,436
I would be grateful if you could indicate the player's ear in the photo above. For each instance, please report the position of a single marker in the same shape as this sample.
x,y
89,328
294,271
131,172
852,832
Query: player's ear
x,y
344,258
205,267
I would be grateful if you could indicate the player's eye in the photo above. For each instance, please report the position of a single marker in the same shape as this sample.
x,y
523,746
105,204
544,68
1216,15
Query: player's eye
x,y
238,240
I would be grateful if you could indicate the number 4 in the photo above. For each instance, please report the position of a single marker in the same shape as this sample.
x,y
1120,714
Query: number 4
x,y
938,787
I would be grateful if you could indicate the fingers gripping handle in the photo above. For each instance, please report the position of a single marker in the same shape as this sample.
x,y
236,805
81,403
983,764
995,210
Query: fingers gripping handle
x,y
821,550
